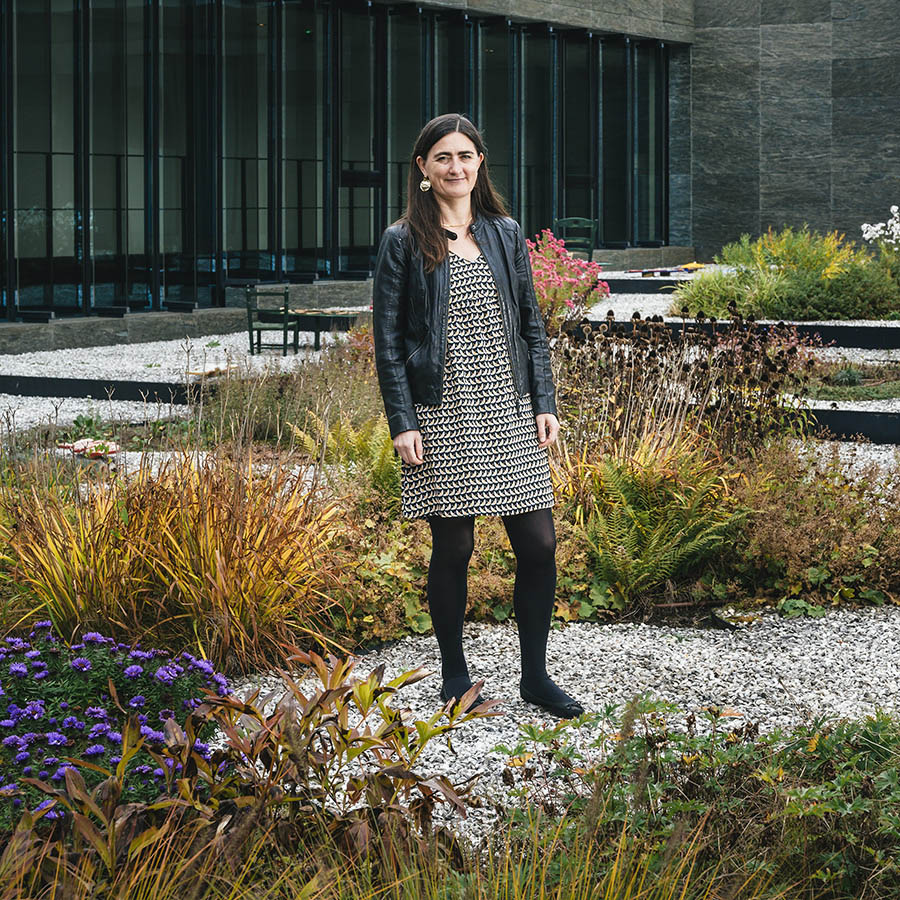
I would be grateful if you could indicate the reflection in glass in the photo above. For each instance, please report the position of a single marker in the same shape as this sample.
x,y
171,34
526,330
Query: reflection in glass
x,y
361,174
648,140
577,119
450,64
245,132
304,236
536,208
43,149
494,108
615,143
405,89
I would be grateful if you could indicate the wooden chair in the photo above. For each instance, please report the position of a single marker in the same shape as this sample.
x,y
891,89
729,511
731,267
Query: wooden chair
x,y
268,309
585,243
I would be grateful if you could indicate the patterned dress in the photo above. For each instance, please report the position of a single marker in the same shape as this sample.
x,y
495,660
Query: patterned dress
x,y
480,444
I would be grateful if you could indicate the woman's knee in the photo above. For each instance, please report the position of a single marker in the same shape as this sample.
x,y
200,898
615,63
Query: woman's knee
x,y
452,542
533,538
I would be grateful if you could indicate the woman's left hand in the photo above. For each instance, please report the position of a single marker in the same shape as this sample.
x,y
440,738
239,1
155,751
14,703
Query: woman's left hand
x,y
547,429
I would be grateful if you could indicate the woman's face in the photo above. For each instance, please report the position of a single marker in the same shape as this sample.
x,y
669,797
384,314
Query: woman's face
x,y
452,166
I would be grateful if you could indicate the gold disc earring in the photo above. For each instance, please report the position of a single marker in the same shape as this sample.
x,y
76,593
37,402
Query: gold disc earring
x,y
424,185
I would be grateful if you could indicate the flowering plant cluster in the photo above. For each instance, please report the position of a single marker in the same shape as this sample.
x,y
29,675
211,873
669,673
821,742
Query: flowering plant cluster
x,y
61,704
565,285
885,234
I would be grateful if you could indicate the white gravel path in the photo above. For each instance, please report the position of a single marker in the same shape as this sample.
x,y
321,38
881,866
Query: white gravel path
x,y
167,361
772,671
163,361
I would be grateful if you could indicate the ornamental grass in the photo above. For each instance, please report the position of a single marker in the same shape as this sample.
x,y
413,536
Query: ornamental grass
x,y
229,558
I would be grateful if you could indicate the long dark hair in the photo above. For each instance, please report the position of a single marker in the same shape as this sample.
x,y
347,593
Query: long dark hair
x,y
422,213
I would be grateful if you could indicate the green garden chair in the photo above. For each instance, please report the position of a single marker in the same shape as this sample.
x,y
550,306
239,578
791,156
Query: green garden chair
x,y
585,240
268,309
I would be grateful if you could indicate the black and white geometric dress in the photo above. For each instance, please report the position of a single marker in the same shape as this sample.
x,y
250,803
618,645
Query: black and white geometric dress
x,y
480,447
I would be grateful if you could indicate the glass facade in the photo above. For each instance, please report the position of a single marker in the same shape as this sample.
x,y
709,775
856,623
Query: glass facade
x,y
156,152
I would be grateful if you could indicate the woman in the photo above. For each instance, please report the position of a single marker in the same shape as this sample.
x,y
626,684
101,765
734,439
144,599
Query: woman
x,y
464,371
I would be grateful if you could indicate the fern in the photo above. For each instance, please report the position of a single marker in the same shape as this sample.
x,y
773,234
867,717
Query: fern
x,y
364,453
652,523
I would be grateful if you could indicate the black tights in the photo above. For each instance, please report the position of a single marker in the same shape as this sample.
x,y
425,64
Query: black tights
x,y
533,539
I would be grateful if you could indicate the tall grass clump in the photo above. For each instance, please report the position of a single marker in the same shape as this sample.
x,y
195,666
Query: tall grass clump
x,y
214,553
248,406
794,274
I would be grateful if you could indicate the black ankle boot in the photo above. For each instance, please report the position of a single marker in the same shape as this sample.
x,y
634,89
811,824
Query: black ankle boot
x,y
455,693
551,698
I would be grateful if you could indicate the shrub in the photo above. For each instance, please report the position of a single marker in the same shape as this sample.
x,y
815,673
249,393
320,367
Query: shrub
x,y
332,766
793,275
656,518
564,285
818,533
208,552
886,236
813,809
618,388
59,703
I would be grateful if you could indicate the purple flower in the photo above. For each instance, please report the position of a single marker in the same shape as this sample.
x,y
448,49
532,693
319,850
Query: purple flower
x,y
114,737
152,735
54,738
32,654
165,714
81,664
22,756
95,750
27,770
204,666
73,722
51,760
46,623
43,774
115,760
158,773
98,729
92,637
20,670
96,712
17,643
140,654
137,701
12,741
60,773
134,672
64,705
165,674
7,723
35,709
40,676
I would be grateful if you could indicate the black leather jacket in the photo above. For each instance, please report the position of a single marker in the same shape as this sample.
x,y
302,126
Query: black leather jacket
x,y
410,306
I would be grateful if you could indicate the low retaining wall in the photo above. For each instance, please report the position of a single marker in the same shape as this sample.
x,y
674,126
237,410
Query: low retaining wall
x,y
132,328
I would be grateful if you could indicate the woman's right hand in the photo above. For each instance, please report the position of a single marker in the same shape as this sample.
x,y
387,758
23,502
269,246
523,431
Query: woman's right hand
x,y
409,445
